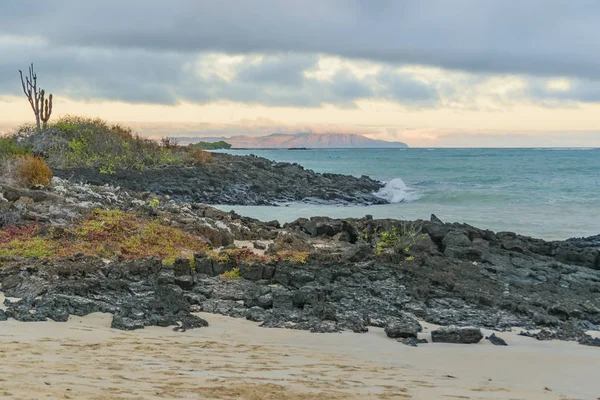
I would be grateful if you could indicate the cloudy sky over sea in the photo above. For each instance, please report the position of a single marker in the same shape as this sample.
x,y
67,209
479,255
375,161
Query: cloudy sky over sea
x,y
427,72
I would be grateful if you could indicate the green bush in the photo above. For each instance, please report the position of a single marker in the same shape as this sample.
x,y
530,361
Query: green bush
x,y
211,146
9,147
75,141
404,235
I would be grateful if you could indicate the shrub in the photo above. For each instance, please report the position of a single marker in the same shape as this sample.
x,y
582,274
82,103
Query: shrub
x,y
75,141
199,156
9,147
405,235
34,171
169,143
211,145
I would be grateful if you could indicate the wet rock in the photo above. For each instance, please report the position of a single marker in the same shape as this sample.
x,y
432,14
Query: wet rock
x,y
496,340
2,315
456,335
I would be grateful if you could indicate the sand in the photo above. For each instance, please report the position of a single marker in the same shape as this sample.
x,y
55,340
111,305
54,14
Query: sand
x,y
236,359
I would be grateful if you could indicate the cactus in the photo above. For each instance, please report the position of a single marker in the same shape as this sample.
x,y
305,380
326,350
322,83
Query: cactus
x,y
46,110
42,108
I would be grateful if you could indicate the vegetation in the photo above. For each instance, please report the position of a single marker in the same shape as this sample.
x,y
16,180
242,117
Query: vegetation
x,y
42,107
235,256
117,233
34,171
199,156
9,148
405,235
233,273
211,145
103,233
75,141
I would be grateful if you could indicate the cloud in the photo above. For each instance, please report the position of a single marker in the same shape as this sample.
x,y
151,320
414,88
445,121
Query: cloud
x,y
141,76
464,54
538,37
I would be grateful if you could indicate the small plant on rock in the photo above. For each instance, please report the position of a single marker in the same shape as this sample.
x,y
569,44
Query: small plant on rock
x,y
405,235
233,273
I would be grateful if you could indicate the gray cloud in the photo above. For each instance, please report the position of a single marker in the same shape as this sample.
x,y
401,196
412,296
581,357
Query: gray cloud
x,y
142,76
578,91
539,37
147,51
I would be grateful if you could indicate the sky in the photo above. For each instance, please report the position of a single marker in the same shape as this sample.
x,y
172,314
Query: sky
x,y
431,73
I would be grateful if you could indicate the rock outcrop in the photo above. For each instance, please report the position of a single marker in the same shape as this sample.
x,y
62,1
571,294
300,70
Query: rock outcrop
x,y
352,275
241,180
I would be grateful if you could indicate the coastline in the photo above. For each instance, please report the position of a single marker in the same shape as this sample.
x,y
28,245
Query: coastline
x,y
350,282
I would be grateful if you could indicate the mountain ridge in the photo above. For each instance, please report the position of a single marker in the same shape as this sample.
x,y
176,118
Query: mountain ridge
x,y
300,140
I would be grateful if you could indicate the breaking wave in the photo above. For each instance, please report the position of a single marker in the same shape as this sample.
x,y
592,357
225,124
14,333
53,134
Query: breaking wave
x,y
396,191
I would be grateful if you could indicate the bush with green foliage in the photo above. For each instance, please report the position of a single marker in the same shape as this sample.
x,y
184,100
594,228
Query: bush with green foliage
x,y
75,141
211,146
9,148
403,235
233,273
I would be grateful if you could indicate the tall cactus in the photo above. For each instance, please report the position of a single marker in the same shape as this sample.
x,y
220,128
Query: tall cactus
x,y
42,108
46,110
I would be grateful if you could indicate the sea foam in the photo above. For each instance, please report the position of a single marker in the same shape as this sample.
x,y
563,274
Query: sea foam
x,y
396,191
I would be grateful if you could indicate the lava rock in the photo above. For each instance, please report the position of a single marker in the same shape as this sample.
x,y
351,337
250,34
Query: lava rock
x,y
496,340
403,328
412,341
182,267
590,341
456,335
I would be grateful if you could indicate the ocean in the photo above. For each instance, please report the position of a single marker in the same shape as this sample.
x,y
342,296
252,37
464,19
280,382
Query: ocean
x,y
547,193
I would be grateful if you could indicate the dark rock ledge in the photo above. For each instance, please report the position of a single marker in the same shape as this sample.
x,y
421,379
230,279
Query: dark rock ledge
x,y
240,180
446,274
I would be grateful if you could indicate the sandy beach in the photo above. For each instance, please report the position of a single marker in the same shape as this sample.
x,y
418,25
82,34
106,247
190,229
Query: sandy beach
x,y
235,359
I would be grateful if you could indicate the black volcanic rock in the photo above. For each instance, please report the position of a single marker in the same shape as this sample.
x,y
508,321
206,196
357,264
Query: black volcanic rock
x,y
239,180
456,335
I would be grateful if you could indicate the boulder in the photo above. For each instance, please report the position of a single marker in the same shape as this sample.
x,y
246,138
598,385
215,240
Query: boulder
x,y
496,340
182,267
456,335
251,271
403,328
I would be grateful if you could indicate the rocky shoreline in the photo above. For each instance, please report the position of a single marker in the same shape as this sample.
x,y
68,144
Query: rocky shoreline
x,y
353,273
239,180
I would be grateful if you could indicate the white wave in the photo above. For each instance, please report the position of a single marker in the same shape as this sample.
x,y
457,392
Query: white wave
x,y
396,191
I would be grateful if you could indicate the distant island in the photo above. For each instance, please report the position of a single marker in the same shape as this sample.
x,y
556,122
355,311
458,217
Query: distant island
x,y
298,140
211,145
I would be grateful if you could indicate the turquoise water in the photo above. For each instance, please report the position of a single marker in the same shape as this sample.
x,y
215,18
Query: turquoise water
x,y
548,193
